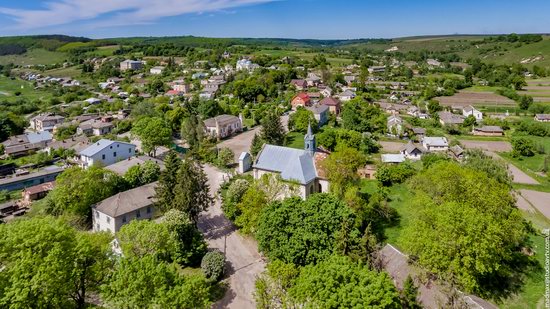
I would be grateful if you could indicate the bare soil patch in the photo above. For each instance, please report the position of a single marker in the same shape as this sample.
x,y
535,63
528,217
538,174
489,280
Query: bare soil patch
x,y
464,98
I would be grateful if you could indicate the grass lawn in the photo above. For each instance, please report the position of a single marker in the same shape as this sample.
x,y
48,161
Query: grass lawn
x,y
295,140
34,57
400,197
8,88
71,72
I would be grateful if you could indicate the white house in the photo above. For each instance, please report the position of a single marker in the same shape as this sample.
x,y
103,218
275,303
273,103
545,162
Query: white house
x,y
246,65
435,143
346,95
413,151
131,65
106,152
156,70
470,110
114,212
395,125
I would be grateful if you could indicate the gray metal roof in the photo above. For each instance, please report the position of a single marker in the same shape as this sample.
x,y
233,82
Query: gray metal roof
x,y
99,146
293,164
39,137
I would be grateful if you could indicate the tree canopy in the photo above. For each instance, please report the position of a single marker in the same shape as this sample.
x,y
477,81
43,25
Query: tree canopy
x,y
153,133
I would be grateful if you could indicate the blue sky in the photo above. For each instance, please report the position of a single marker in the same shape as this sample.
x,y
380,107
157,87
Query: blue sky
x,y
322,19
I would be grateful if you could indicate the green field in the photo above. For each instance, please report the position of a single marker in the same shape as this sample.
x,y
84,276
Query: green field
x,y
295,140
301,54
9,87
34,57
72,72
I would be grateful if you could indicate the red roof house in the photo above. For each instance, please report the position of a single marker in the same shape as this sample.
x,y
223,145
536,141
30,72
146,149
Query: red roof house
x,y
302,99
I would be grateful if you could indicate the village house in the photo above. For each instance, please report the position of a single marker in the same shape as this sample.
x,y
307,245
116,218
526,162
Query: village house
x,y
156,70
131,65
326,92
96,127
223,126
295,165
367,172
333,104
413,151
435,143
45,122
299,84
392,158
542,117
433,63
350,79
347,95
313,80
376,69
470,110
395,125
121,167
24,144
106,152
448,118
488,131
114,212
246,65
35,193
419,132
320,112
456,152
301,99
76,143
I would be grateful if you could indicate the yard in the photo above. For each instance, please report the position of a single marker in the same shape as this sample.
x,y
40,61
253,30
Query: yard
x,y
295,140
9,87
34,57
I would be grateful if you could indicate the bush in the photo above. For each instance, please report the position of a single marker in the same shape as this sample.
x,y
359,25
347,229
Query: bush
x,y
233,196
388,175
213,265
523,147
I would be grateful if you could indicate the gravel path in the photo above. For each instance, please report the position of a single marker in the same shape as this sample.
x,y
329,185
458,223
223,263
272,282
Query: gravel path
x,y
244,263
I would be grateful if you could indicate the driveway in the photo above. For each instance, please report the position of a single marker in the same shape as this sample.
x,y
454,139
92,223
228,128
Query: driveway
x,y
244,263
242,142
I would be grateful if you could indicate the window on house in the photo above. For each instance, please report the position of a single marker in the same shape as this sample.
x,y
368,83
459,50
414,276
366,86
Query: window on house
x,y
129,150
97,226
97,214
138,214
114,154
117,145
124,219
108,219
148,209
110,147
103,157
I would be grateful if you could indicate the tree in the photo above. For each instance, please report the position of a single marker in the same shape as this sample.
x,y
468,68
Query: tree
x,y
301,119
523,146
191,246
302,232
192,130
362,117
477,160
232,196
191,193
256,146
47,263
164,192
213,265
147,282
153,133
76,190
139,175
272,129
249,208
469,121
226,157
388,174
466,228
341,168
340,283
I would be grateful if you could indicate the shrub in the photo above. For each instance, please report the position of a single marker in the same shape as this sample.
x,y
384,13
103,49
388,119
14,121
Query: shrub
x,y
213,265
523,147
233,196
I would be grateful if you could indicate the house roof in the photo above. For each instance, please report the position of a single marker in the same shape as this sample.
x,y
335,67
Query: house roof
x,y
490,129
299,82
221,119
450,118
318,108
410,147
302,95
44,187
99,146
456,150
123,166
543,116
127,201
330,101
347,93
435,141
418,130
393,158
37,137
293,164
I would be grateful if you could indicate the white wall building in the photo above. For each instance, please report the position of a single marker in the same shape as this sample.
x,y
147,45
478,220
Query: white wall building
x,y
106,152
470,110
435,143
114,212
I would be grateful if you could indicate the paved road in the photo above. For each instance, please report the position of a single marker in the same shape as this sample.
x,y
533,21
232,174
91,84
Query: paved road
x,y
539,200
243,260
518,176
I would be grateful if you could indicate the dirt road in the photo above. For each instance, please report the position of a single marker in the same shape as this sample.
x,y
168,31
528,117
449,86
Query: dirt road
x,y
244,262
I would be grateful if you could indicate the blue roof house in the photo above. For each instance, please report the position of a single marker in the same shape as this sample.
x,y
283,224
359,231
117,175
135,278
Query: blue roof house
x,y
106,152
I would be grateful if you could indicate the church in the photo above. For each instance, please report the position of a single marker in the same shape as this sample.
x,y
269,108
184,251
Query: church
x,y
295,165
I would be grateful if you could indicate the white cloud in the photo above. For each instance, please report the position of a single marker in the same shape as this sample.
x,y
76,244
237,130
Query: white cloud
x,y
114,12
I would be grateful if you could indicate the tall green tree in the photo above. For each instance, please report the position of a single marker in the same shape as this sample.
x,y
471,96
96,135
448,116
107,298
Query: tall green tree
x,y
48,264
256,146
301,119
466,228
192,130
341,168
191,193
149,283
153,133
167,180
272,129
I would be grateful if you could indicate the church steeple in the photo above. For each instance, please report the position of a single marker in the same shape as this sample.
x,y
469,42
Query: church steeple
x,y
309,140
